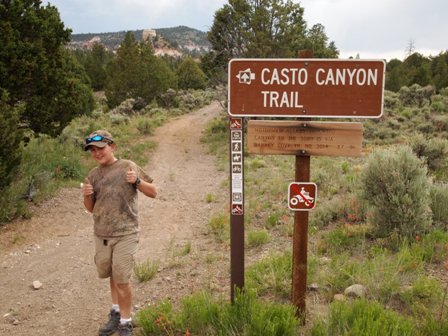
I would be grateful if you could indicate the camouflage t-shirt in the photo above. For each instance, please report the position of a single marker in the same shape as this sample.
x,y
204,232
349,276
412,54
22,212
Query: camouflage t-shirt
x,y
115,211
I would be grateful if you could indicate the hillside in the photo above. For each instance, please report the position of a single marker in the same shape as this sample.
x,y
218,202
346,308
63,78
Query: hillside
x,y
174,41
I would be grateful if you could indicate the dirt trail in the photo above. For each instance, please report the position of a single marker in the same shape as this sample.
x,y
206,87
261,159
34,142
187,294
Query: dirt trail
x,y
55,246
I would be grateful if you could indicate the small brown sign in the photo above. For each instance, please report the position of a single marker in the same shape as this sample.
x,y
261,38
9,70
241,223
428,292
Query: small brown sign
x,y
306,88
302,196
304,138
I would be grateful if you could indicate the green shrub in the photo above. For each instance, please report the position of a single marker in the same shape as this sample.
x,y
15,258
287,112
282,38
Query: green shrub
x,y
117,119
217,126
434,325
272,220
272,274
326,212
257,238
255,163
146,270
184,250
439,201
192,99
345,273
46,163
430,248
433,151
424,290
200,314
340,239
363,318
157,320
328,175
271,319
383,272
210,198
13,202
216,137
169,99
439,106
145,126
219,226
415,94
136,152
395,185
440,122
426,127
391,99
407,113
48,158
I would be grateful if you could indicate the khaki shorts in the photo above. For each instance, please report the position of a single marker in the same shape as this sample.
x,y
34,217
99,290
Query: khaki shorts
x,y
114,257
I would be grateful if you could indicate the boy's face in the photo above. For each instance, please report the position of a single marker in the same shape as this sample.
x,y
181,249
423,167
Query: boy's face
x,y
103,156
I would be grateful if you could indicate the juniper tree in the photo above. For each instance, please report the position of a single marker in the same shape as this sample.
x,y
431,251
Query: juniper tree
x,y
137,72
262,29
37,70
10,138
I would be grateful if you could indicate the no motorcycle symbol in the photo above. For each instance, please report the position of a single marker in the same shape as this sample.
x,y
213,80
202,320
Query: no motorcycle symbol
x,y
302,196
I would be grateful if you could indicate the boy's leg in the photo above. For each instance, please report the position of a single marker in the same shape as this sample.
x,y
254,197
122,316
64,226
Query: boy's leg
x,y
123,294
113,292
122,267
103,262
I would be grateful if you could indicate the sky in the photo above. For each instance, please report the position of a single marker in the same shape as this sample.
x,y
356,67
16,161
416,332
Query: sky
x,y
372,29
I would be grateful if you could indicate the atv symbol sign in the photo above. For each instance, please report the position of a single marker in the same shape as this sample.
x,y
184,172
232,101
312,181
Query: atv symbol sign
x,y
302,196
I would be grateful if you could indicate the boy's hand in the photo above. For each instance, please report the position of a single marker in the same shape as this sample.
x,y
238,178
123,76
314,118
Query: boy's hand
x,y
87,188
131,176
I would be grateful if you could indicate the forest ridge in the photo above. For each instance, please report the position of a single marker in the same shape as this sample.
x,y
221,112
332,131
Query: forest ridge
x,y
186,40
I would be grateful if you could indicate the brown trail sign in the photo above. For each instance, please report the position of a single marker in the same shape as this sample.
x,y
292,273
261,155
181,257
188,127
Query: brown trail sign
x,y
306,87
304,138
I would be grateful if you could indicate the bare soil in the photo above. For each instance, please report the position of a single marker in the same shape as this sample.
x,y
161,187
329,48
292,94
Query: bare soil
x,y
55,246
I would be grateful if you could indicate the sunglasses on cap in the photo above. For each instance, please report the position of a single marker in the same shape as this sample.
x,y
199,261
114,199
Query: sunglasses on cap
x,y
97,138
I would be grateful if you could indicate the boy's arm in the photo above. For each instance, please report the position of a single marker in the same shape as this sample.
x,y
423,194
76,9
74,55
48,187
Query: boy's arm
x,y
144,184
87,191
147,188
89,203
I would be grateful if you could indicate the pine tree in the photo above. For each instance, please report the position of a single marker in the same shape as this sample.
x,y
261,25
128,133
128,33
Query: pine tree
x,y
95,65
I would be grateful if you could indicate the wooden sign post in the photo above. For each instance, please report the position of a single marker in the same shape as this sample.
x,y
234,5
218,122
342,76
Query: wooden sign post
x,y
300,244
300,88
303,139
236,205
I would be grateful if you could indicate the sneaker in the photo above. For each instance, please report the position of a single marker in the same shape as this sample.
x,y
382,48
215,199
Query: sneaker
x,y
111,326
125,329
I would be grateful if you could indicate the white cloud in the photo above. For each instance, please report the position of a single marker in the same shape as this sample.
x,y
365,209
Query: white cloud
x,y
381,27
114,15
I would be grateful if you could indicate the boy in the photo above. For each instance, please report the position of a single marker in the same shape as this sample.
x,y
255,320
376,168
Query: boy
x,y
110,193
